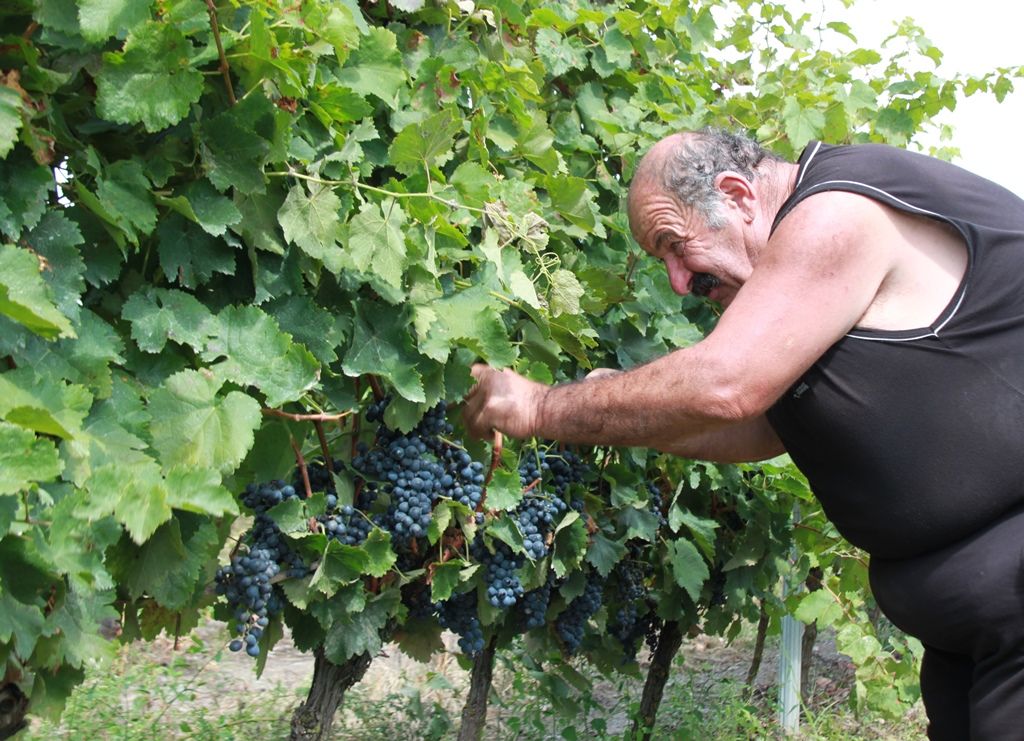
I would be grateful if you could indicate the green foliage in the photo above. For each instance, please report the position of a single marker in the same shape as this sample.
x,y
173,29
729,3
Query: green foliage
x,y
258,218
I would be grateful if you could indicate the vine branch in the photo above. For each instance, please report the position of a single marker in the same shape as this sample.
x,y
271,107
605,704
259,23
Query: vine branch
x,y
224,69
317,418
301,462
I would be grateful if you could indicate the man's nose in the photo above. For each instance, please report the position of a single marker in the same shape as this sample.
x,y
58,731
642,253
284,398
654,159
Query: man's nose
x,y
678,276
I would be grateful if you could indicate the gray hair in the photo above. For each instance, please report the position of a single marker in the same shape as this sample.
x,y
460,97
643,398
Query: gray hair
x,y
690,172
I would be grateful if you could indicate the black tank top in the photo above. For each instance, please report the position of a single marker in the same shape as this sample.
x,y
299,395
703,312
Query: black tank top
x,y
914,439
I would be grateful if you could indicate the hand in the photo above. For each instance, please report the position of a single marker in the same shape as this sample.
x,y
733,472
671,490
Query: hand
x,y
505,401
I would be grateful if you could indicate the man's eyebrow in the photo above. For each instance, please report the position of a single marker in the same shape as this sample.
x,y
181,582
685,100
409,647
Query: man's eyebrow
x,y
661,237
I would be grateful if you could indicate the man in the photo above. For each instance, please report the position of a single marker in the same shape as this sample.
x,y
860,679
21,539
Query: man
x,y
874,329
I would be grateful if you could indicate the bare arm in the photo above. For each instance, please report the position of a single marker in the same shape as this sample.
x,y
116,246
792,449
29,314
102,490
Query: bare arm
x,y
818,275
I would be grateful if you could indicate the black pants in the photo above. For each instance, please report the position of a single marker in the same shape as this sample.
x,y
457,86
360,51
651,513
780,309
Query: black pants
x,y
966,605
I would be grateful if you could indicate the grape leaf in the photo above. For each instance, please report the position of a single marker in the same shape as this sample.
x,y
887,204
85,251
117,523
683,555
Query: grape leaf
x,y
256,352
316,328
235,144
444,579
194,427
123,191
424,144
24,190
51,408
56,239
10,119
25,297
689,570
566,292
559,54
355,633
167,566
381,345
310,220
381,555
340,564
135,494
161,314
24,458
505,490
212,211
376,67
569,547
101,19
470,318
604,553
376,241
190,256
151,82
802,123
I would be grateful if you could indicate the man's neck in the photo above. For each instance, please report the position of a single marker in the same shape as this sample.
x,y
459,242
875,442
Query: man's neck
x,y
778,184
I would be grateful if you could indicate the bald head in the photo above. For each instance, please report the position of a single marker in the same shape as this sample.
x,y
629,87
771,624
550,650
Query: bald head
x,y
686,165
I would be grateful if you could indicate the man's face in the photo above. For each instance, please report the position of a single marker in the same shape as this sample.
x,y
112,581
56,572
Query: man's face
x,y
690,248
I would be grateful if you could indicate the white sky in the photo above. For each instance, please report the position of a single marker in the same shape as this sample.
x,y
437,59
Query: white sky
x,y
975,37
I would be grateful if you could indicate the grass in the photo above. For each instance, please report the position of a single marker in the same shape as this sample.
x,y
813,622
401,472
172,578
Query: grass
x,y
152,693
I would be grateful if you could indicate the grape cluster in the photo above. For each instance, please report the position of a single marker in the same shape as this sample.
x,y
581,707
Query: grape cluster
x,y
246,582
538,510
626,627
654,503
504,587
535,606
416,469
571,623
459,615
346,525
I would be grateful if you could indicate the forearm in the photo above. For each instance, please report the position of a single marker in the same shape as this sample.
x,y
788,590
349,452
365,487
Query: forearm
x,y
673,398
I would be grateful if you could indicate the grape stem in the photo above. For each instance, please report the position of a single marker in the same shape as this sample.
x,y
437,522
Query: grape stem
x,y
495,459
301,463
304,417
328,461
224,69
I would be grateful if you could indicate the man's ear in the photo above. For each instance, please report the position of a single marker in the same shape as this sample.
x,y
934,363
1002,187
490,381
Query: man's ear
x,y
737,191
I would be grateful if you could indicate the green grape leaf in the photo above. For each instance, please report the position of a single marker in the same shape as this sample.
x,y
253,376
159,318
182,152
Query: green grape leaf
x,y
559,54
376,241
25,188
167,566
355,633
190,256
51,408
256,352
444,578
424,144
689,570
802,123
309,219
469,318
378,548
376,67
504,492
566,292
208,208
151,82
101,19
21,623
157,315
819,606
25,296
56,239
194,427
199,490
235,145
570,545
321,331
136,494
10,119
123,191
340,564
604,553
24,458
381,346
